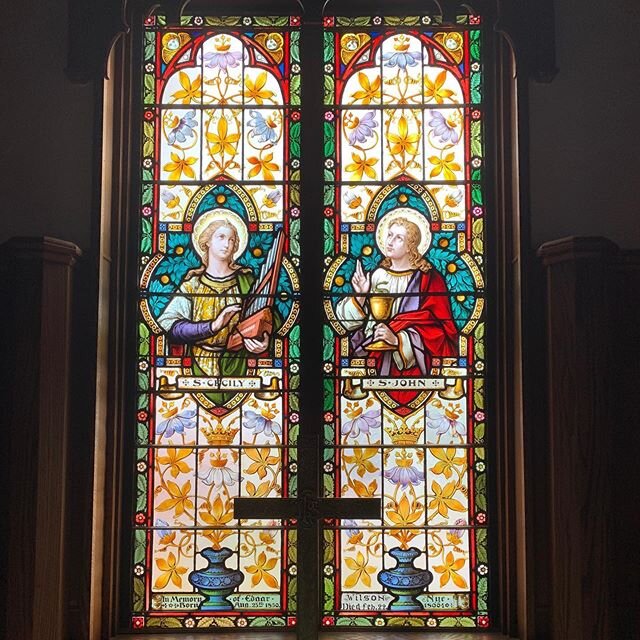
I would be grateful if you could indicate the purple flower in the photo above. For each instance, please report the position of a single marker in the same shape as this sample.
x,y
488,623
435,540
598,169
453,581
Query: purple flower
x,y
183,129
361,128
176,422
222,59
401,59
261,423
445,421
263,128
359,421
444,128
404,473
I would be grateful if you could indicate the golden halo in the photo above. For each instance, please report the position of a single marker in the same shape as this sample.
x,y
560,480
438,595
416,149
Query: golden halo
x,y
413,215
231,218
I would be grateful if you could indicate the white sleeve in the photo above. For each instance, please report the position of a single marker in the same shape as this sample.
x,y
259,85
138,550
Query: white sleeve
x,y
350,314
178,309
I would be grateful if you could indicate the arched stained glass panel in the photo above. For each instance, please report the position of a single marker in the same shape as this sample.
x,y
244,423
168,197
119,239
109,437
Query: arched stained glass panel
x,y
218,349
404,337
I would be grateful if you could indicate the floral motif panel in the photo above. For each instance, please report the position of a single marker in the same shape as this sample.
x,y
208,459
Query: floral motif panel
x,y
404,338
218,340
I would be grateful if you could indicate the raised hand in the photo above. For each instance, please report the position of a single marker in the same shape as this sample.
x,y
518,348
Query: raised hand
x,y
361,282
224,317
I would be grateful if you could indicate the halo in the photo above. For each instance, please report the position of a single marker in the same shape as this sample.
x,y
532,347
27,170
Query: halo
x,y
231,218
412,215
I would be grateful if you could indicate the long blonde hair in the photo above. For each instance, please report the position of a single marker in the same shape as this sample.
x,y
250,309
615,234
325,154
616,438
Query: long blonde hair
x,y
203,242
414,238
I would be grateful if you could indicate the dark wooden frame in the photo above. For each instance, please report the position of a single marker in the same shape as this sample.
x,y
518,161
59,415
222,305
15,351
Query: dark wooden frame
x,y
97,30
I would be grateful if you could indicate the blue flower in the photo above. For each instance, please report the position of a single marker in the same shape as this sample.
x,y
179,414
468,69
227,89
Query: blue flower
x,y
165,534
263,128
176,422
262,422
401,59
184,129
445,128
222,59
359,129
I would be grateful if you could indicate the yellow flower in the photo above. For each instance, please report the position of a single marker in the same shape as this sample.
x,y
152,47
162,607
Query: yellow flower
x,y
361,165
261,460
255,90
217,515
446,461
223,141
179,499
445,164
403,513
362,459
190,90
263,164
370,90
433,89
443,500
361,571
261,569
449,571
403,142
174,459
180,166
170,571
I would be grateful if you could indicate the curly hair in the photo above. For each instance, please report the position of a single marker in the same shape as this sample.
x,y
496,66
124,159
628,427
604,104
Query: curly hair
x,y
414,237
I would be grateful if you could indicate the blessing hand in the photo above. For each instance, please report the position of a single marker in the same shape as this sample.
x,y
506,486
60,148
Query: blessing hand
x,y
382,332
257,346
361,282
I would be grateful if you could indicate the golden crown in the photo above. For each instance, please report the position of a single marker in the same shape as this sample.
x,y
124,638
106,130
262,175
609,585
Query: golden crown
x,y
402,434
219,436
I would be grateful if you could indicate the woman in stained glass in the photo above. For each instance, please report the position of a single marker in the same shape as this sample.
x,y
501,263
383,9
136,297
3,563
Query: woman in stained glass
x,y
207,310
400,314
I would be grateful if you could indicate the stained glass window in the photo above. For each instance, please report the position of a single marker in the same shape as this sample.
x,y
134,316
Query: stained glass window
x,y
218,352
404,300
218,348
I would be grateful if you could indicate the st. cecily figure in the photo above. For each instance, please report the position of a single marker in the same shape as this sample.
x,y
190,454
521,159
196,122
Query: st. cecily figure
x,y
417,324
206,311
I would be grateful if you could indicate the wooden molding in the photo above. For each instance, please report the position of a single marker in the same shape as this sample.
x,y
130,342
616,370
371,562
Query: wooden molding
x,y
37,281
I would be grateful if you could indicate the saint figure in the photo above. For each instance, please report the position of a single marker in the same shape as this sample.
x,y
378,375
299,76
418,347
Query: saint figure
x,y
400,314
207,310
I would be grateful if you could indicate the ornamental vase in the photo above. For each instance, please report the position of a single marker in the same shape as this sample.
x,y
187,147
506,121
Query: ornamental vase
x,y
405,581
216,581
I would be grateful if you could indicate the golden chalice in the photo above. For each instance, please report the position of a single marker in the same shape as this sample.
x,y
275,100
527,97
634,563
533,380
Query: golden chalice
x,y
381,310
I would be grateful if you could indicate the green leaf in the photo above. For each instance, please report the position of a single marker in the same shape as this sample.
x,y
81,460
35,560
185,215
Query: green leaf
x,y
476,95
329,88
147,196
143,343
140,546
329,194
294,47
327,342
149,51
328,46
143,401
141,492
225,21
164,623
478,394
143,381
294,382
359,21
476,194
328,554
481,545
215,622
395,21
294,195
263,621
404,622
457,622
479,349
329,138
295,89
272,21
294,404
478,433
138,595
355,621
328,594
481,487
294,236
328,395
294,342
294,139
328,237
479,331
482,591
328,175
476,138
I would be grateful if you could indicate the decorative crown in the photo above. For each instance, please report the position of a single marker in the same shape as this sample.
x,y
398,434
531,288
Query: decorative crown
x,y
219,436
402,434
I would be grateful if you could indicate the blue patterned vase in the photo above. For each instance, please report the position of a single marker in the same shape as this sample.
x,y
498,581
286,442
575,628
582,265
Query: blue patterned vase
x,y
405,581
216,581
